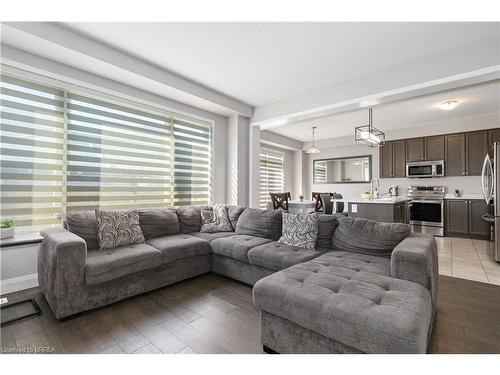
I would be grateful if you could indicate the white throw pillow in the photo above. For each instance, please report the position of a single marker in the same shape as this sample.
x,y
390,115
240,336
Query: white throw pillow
x,y
299,230
215,220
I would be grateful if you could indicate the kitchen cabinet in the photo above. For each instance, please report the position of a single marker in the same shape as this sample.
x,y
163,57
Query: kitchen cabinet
x,y
454,155
463,153
434,148
386,162
415,149
463,218
493,136
426,148
392,159
476,147
477,226
399,158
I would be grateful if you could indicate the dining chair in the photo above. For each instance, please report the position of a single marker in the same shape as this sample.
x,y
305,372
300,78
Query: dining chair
x,y
339,206
280,200
318,204
326,199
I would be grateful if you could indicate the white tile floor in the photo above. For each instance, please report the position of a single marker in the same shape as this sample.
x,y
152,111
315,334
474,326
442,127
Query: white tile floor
x,y
468,259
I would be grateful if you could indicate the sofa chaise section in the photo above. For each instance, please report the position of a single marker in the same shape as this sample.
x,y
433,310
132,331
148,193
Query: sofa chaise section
x,y
343,308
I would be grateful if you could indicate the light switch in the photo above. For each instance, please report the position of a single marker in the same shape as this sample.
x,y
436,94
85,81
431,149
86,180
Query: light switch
x,y
354,208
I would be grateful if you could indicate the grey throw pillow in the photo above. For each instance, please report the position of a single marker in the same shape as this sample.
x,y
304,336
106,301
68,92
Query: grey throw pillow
x,y
300,230
369,237
118,228
215,220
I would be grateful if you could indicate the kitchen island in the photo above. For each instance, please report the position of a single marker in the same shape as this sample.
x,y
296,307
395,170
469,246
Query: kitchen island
x,y
387,209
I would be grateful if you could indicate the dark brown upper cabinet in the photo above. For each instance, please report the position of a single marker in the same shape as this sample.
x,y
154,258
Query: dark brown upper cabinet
x,y
399,158
454,154
393,159
476,147
493,136
463,153
426,148
434,148
415,149
385,154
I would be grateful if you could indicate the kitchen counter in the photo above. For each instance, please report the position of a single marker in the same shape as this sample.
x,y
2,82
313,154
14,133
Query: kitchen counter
x,y
464,196
385,200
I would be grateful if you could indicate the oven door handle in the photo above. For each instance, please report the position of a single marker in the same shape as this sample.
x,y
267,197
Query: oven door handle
x,y
408,216
435,201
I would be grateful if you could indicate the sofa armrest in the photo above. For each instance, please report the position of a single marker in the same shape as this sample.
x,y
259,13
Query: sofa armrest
x,y
61,267
415,259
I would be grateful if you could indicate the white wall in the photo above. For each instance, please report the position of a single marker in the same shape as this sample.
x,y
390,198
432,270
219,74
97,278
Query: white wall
x,y
345,146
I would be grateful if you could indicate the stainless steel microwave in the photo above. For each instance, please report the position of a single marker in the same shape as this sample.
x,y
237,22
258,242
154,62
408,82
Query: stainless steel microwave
x,y
425,169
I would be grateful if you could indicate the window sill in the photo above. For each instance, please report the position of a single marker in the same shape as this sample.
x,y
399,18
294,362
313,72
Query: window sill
x,y
21,239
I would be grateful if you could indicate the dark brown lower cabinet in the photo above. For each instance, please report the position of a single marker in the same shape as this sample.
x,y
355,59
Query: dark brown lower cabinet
x,y
463,218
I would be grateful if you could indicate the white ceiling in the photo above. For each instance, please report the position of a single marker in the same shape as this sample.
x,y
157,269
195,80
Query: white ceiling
x,y
474,101
260,63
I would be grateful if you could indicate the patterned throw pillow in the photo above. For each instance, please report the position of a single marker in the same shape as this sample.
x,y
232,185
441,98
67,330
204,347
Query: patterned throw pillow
x,y
215,220
299,230
118,228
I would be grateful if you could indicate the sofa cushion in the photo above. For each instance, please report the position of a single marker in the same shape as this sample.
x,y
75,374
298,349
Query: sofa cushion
x,y
116,228
215,219
190,218
355,262
326,227
277,256
84,225
121,261
179,246
209,237
234,213
369,312
368,237
299,230
260,223
236,246
158,222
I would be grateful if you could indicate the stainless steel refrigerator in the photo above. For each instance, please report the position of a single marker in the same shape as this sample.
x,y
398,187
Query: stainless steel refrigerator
x,y
490,184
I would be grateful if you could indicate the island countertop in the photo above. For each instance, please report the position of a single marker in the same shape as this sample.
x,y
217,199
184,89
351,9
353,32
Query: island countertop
x,y
384,200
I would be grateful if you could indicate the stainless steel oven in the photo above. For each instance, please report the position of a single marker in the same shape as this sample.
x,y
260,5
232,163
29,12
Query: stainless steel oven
x,y
425,212
425,169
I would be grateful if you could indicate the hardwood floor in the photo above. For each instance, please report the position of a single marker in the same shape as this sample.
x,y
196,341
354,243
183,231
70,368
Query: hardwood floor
x,y
213,314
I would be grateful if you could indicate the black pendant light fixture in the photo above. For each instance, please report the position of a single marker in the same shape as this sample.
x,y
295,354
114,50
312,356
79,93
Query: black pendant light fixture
x,y
368,134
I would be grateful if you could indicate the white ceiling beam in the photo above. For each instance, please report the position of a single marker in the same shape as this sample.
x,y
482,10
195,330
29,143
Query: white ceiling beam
x,y
466,66
74,42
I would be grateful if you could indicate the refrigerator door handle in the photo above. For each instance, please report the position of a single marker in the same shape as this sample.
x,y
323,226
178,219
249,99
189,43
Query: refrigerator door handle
x,y
486,174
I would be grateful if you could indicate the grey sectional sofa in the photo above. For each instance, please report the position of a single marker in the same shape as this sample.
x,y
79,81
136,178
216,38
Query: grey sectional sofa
x,y
311,301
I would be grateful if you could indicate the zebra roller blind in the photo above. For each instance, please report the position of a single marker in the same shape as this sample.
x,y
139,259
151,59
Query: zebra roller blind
x,y
62,151
272,179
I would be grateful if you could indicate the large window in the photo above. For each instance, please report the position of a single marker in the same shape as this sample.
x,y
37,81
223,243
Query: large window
x,y
272,179
62,150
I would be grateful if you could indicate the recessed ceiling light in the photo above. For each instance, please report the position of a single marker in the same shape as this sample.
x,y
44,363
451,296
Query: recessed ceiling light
x,y
449,105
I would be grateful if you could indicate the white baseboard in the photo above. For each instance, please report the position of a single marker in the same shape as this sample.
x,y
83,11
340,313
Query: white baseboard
x,y
18,283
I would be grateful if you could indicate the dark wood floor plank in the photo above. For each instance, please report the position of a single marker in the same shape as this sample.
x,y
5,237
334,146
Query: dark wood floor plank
x,y
214,314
